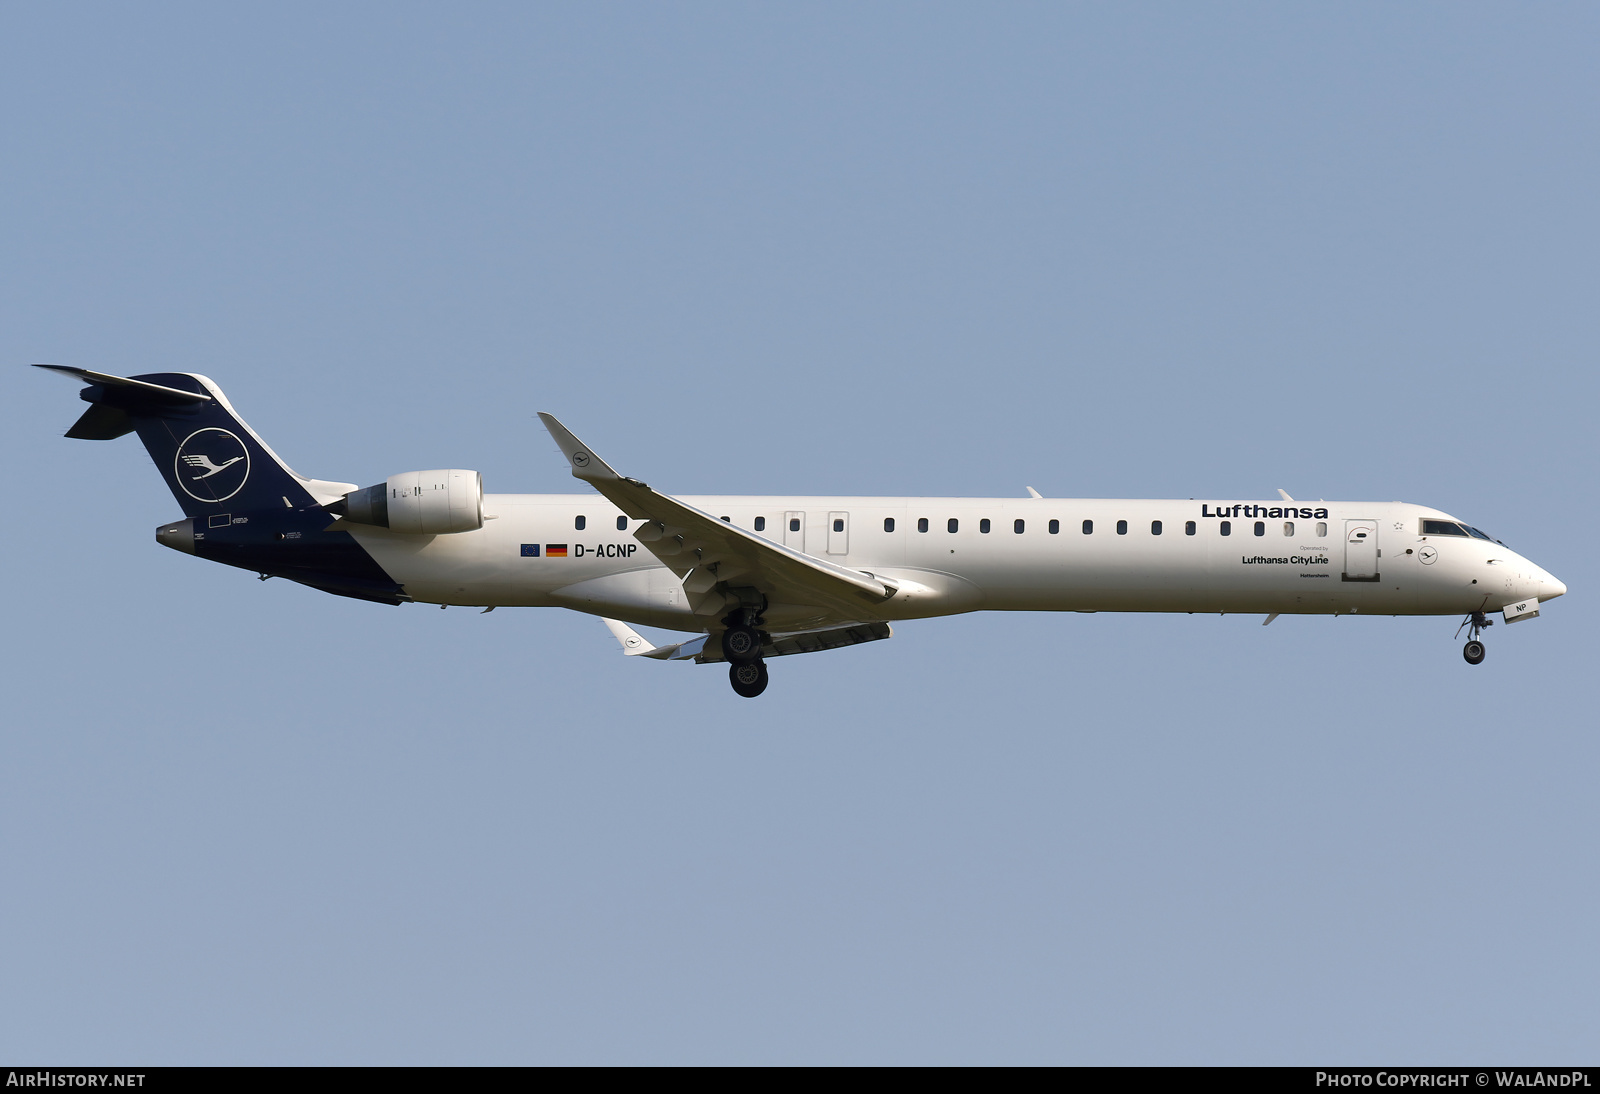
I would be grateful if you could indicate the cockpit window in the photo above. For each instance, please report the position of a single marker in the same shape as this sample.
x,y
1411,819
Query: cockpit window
x,y
1477,534
1442,528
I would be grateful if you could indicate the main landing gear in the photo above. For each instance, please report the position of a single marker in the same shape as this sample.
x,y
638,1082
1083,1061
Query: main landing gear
x,y
741,646
749,679
1473,651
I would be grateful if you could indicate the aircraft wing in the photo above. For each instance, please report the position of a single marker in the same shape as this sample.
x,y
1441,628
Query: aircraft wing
x,y
715,559
781,644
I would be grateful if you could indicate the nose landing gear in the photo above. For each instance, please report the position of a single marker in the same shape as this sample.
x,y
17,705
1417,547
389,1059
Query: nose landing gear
x,y
1474,651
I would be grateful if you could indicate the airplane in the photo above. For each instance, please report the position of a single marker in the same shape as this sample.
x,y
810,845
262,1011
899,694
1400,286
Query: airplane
x,y
755,578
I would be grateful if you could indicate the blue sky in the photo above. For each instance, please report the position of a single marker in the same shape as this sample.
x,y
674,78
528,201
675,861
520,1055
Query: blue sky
x,y
1103,250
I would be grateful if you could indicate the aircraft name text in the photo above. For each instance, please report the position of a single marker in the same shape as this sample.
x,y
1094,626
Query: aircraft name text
x,y
1276,511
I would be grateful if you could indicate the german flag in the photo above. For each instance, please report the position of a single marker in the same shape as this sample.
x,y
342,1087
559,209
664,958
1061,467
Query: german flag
x,y
555,550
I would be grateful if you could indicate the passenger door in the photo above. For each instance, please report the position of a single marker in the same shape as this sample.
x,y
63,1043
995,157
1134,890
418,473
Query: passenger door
x,y
1360,550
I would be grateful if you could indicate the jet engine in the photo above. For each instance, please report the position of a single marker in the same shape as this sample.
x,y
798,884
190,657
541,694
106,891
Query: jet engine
x,y
419,503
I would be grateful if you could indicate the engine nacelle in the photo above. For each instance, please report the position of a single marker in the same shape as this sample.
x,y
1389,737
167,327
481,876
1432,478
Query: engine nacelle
x,y
420,503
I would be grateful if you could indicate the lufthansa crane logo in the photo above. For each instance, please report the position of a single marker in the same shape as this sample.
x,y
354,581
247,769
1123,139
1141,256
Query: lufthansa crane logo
x,y
211,465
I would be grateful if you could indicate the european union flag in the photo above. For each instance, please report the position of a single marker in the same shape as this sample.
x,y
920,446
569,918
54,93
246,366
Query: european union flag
x,y
530,550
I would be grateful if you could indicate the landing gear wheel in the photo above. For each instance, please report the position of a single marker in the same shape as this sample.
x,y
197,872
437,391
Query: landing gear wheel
x,y
1473,651
749,679
741,645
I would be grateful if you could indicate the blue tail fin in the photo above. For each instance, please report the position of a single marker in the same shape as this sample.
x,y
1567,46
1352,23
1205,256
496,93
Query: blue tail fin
x,y
212,461
245,507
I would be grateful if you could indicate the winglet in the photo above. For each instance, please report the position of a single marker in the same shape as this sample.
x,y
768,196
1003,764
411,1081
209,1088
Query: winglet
x,y
585,464
633,643
1283,494
1032,493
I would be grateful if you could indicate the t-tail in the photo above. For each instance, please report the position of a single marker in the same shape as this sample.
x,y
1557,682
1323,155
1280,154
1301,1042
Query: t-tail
x,y
245,506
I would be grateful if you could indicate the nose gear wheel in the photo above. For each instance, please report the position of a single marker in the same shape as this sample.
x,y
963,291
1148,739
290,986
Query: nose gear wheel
x,y
1474,651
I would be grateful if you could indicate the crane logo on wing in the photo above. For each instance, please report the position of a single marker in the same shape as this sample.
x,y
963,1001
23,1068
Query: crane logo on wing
x,y
211,465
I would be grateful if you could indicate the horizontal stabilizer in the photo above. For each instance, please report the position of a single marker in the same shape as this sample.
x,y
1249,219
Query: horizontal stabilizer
x,y
142,387
108,415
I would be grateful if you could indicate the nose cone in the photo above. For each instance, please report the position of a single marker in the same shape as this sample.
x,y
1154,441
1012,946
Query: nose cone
x,y
1549,587
180,536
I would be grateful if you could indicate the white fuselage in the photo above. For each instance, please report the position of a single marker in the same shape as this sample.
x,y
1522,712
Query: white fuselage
x,y
1311,558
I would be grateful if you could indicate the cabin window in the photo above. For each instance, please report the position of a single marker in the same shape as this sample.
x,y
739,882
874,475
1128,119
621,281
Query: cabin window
x,y
794,524
1055,528
579,522
888,524
1322,529
1226,528
1155,528
1017,526
1088,527
1442,528
761,524
983,526
1261,527
1122,527
922,524
1288,527
952,524
838,525
1188,528
622,524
